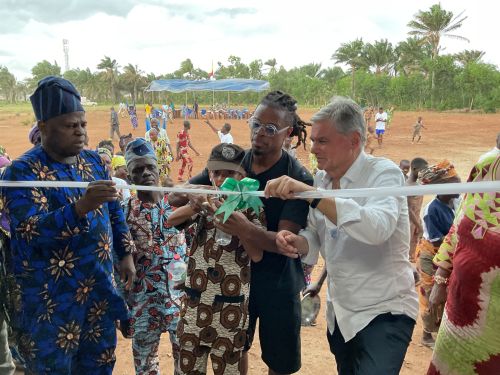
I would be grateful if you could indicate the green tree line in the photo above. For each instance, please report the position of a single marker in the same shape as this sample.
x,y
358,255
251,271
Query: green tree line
x,y
412,74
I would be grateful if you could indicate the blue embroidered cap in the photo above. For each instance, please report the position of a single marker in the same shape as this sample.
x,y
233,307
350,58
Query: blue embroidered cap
x,y
139,148
53,97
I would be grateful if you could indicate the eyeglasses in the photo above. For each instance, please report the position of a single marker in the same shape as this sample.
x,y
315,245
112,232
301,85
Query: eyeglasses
x,y
270,130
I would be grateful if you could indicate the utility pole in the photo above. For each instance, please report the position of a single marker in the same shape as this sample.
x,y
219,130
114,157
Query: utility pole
x,y
66,54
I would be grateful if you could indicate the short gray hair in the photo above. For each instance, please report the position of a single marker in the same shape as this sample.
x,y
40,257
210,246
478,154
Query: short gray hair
x,y
345,115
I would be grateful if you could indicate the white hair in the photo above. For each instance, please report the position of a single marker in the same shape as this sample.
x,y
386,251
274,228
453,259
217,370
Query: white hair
x,y
345,115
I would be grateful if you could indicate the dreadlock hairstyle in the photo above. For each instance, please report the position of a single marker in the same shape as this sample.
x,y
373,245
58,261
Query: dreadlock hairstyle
x,y
284,101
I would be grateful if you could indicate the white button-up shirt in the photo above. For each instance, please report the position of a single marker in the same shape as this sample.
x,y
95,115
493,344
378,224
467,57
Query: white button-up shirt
x,y
366,253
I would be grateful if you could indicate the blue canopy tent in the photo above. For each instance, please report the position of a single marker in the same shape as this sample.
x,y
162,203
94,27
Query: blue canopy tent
x,y
183,85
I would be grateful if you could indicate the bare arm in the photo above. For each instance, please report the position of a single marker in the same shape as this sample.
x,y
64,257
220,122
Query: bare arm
x,y
265,239
180,215
211,126
414,218
315,288
192,148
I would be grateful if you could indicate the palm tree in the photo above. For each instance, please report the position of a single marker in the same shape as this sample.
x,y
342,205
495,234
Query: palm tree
x,y
469,56
350,53
410,55
110,69
311,70
132,76
380,55
434,24
272,64
332,75
90,83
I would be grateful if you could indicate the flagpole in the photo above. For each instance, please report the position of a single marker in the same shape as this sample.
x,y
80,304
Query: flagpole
x,y
213,91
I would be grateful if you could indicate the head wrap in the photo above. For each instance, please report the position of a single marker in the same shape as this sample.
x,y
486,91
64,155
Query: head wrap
x,y
118,161
438,173
104,151
53,97
139,148
4,161
34,135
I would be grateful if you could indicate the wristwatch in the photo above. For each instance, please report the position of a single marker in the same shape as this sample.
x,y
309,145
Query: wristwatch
x,y
314,203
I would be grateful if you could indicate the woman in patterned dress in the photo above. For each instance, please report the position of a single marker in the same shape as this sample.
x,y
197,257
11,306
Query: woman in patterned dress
x,y
437,219
468,263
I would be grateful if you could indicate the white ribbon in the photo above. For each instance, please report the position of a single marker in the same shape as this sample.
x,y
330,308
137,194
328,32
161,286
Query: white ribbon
x,y
451,188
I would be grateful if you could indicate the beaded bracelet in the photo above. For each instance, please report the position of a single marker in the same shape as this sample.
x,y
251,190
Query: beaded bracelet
x,y
440,280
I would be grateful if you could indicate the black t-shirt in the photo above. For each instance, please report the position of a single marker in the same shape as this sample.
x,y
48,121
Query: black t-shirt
x,y
276,272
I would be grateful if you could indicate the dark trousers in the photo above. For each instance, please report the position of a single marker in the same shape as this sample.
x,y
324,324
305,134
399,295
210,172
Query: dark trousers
x,y
378,349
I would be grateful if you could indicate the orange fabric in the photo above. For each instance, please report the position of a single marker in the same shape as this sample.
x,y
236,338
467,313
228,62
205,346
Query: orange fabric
x,y
425,252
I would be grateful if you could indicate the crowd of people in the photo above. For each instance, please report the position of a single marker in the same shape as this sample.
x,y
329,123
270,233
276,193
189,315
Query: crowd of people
x,y
80,263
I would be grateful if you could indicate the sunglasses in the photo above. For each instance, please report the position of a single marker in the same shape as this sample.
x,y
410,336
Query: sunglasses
x,y
270,130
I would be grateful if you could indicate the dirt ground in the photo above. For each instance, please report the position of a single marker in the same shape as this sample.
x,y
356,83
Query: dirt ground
x,y
459,137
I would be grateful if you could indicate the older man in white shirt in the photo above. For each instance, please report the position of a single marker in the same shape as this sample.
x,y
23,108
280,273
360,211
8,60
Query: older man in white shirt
x,y
373,305
162,133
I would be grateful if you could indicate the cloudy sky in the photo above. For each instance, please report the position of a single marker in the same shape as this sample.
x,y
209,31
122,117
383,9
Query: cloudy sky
x,y
158,34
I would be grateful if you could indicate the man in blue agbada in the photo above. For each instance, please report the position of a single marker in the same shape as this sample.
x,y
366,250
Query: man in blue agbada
x,y
62,241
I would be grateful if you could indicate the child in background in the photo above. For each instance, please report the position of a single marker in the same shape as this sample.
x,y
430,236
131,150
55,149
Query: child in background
x,y
183,146
404,165
214,318
368,115
370,140
417,128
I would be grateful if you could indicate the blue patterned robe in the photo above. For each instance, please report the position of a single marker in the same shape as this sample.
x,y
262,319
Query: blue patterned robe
x,y
63,266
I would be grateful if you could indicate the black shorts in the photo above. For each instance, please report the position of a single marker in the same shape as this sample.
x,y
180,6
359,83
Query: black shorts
x,y
379,348
279,329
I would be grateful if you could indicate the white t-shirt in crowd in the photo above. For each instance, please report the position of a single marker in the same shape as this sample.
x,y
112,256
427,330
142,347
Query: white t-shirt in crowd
x,y
378,123
225,138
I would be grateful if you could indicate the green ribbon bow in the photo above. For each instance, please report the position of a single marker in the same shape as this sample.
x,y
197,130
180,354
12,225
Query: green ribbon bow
x,y
240,201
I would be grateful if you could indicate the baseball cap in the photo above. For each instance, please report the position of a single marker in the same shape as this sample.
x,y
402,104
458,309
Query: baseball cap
x,y
226,156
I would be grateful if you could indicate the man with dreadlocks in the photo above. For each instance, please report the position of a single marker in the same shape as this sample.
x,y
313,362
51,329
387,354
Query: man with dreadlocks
x,y
276,281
